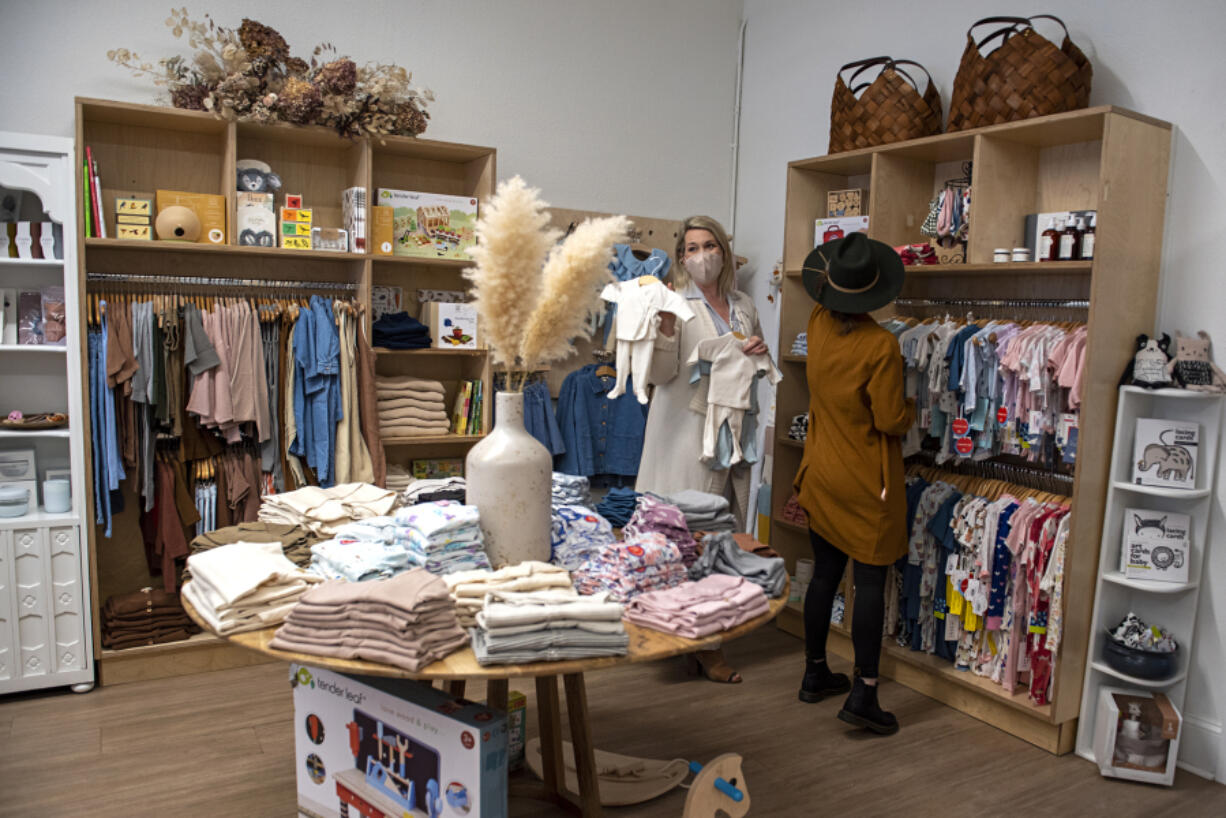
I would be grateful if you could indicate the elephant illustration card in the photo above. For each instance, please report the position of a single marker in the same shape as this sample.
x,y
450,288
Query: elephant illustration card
x,y
1165,453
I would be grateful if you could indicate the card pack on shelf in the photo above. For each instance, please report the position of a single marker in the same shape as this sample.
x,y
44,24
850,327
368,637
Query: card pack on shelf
x,y
353,205
1165,453
1155,545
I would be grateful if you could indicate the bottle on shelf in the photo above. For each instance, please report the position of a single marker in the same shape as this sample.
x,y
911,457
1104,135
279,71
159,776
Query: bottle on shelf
x,y
1087,239
1049,242
1070,242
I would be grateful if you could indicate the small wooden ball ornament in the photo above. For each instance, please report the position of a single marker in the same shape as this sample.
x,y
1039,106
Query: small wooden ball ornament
x,y
178,223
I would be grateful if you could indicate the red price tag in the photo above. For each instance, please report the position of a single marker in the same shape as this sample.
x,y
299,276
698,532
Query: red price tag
x,y
961,427
1002,415
964,445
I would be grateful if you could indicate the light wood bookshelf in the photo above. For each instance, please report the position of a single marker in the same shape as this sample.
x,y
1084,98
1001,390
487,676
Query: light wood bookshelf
x,y
1106,159
142,148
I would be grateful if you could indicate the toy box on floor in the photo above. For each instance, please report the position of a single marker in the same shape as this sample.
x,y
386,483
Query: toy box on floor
x,y
392,747
1136,736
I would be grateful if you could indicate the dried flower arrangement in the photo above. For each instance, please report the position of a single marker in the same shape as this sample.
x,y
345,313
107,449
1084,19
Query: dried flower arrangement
x,y
532,294
248,74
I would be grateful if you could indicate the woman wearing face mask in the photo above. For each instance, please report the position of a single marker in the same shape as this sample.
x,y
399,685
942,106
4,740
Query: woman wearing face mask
x,y
705,275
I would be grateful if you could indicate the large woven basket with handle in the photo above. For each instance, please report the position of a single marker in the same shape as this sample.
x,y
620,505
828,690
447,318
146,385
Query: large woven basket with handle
x,y
1026,75
888,109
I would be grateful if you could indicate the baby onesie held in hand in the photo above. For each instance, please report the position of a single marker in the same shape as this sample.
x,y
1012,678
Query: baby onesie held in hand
x,y
639,304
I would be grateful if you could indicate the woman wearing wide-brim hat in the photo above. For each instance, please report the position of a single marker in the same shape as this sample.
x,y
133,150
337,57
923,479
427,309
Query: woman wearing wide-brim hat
x,y
851,480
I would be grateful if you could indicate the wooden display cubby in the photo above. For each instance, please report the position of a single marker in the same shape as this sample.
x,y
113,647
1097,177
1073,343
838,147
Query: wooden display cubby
x,y
1105,159
140,149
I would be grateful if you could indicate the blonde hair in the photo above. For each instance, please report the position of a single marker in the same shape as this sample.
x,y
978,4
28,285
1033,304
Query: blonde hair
x,y
727,275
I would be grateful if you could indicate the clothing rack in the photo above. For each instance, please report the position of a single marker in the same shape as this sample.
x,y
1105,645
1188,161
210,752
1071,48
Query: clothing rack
x,y
202,281
1022,303
1022,475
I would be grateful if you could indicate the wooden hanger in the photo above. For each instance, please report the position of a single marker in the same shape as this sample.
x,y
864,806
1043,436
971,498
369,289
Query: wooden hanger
x,y
640,251
605,371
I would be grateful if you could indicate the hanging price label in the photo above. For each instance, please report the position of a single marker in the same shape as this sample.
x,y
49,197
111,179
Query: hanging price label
x,y
961,427
1002,415
964,445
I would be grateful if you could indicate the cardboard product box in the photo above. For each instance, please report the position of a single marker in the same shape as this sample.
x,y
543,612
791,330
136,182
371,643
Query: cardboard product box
x,y
257,225
431,225
1156,545
1036,223
1136,735
1165,453
383,230
18,464
845,202
296,228
369,746
209,208
353,207
438,468
452,326
825,230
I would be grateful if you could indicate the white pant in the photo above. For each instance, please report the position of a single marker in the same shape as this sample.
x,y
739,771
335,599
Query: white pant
x,y
716,417
633,359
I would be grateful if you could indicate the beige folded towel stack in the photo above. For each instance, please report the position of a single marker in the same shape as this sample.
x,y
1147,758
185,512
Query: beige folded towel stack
x,y
411,407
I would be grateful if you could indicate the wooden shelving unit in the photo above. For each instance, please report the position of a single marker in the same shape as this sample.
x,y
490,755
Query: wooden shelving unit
x,y
1106,159
140,149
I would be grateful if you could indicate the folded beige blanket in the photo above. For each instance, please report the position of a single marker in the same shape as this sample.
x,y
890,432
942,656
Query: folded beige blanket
x,y
401,382
432,402
411,413
404,429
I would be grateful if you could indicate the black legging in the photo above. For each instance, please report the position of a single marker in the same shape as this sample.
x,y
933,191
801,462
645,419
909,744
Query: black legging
x,y
868,615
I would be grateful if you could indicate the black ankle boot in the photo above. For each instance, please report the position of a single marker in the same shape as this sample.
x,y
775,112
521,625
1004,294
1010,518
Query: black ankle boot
x,y
862,710
820,682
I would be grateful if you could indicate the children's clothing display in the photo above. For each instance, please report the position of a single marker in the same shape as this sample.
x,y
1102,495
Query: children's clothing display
x,y
443,536
570,490
626,569
603,435
577,534
627,266
374,548
722,555
654,515
245,586
640,302
406,621
149,616
703,511
399,330
398,477
731,381
696,609
547,626
433,490
800,344
295,541
469,588
411,407
322,511
799,428
539,417
793,513
618,505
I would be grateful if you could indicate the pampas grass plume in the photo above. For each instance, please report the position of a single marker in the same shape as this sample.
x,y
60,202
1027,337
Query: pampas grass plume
x,y
513,240
571,282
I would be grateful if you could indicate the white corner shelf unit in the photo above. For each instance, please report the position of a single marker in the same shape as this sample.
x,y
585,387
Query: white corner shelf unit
x,y
46,632
1171,605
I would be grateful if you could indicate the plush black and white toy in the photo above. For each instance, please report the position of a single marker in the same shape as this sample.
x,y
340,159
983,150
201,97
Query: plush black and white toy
x,y
1148,367
255,176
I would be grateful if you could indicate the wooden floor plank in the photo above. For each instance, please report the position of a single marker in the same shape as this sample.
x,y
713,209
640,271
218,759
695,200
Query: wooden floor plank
x,y
221,743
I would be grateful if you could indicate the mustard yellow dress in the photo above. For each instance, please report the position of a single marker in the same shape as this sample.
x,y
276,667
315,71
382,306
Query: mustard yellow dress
x,y
851,478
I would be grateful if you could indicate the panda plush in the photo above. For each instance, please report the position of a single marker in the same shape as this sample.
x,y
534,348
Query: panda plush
x,y
255,176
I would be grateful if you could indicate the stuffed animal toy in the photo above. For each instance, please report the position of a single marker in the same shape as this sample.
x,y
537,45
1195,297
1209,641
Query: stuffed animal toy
x,y
255,176
1148,366
1192,366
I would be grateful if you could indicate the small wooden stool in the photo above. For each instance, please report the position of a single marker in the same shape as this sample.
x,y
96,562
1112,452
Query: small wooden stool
x,y
718,786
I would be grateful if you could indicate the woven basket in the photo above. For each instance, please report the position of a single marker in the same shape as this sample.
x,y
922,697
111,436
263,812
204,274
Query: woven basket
x,y
890,109
1027,75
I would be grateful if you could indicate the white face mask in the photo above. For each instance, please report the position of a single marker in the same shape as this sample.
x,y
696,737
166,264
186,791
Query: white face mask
x,y
704,268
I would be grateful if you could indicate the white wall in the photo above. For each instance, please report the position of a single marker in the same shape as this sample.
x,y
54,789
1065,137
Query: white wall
x,y
1159,59
598,104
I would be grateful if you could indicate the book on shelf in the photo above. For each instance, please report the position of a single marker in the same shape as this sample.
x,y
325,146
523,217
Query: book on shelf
x,y
1155,545
459,416
1165,453
474,412
87,194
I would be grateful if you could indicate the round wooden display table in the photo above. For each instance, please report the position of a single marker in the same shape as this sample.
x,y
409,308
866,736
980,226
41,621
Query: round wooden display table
x,y
646,645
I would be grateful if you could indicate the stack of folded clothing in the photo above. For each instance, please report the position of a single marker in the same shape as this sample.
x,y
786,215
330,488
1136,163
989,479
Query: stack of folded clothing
x,y
411,407
655,514
398,477
444,536
296,541
146,617
703,511
429,491
800,346
578,532
322,511
571,490
407,621
515,628
469,588
722,555
245,586
696,609
374,548
645,562
399,330
618,505
793,513
799,430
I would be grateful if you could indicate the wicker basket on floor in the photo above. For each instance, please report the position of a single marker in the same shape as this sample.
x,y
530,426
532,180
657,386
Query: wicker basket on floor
x,y
1026,76
890,109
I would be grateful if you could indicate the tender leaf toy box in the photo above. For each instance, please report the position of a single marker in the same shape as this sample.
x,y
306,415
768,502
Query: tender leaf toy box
x,y
430,225
393,747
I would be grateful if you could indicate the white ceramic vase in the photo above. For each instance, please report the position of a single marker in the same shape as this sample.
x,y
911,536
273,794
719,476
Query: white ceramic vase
x,y
509,481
